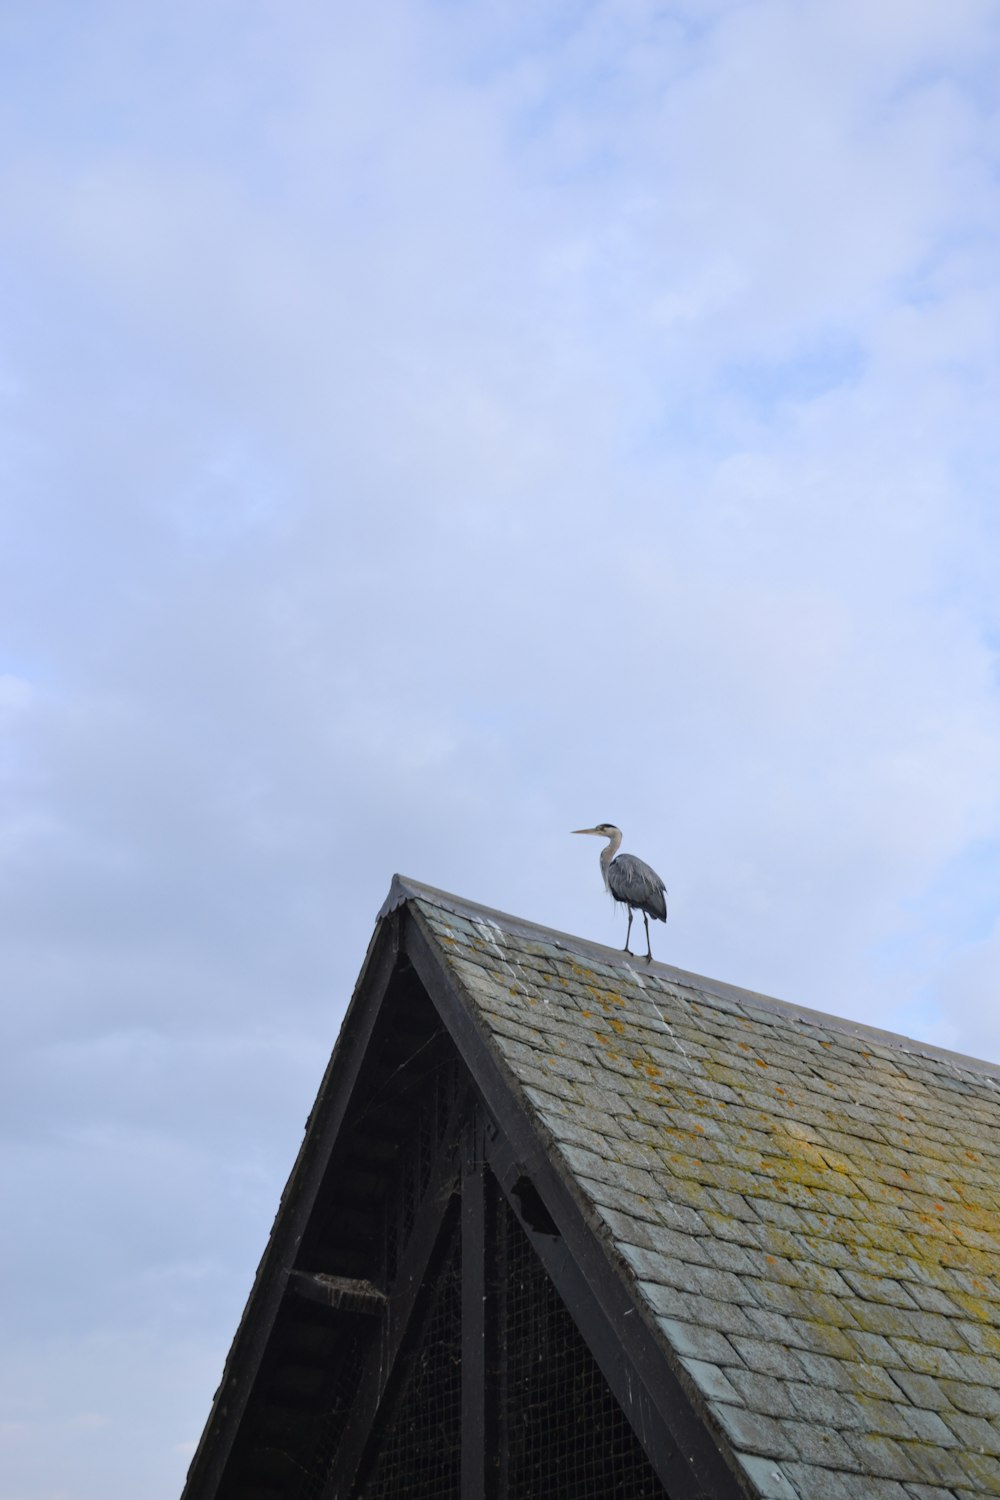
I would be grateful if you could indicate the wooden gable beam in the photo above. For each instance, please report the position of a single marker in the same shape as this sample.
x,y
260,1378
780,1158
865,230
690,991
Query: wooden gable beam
x,y
341,1293
672,1432
406,1300
479,1474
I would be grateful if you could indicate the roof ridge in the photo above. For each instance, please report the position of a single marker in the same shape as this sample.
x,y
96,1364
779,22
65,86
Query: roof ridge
x,y
404,888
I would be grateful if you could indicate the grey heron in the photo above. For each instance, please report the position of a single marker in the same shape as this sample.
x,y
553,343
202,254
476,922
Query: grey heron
x,y
631,882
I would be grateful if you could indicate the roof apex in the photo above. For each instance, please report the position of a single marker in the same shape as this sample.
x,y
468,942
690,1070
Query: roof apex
x,y
404,889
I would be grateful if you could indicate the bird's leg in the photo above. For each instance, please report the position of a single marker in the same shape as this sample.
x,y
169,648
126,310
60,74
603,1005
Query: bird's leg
x,y
649,950
629,930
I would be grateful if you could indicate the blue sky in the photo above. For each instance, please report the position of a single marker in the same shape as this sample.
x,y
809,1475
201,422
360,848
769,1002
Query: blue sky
x,y
426,429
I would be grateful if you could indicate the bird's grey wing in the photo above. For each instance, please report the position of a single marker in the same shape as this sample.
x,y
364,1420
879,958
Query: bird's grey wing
x,y
631,880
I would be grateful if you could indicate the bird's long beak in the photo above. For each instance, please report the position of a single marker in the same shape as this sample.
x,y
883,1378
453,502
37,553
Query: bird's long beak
x,y
585,830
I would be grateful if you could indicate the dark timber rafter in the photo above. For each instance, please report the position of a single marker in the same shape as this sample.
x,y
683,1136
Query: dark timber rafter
x,y
407,1300
479,1467
340,1293
672,1434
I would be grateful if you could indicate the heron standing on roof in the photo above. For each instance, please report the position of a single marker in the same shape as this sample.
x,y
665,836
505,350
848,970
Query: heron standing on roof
x,y
631,882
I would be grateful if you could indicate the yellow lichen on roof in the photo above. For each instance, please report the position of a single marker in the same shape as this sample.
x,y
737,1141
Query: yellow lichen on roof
x,y
784,1189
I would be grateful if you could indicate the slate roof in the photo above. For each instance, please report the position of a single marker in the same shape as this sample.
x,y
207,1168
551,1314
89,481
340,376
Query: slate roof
x,y
806,1211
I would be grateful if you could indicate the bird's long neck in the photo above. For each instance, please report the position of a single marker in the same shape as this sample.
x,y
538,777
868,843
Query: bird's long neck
x,y
608,853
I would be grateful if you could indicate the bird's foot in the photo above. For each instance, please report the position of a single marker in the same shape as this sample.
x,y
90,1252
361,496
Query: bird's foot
x,y
628,950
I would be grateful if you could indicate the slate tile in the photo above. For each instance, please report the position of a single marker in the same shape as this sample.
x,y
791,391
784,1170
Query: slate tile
x,y
828,1408
821,1278
981,1470
753,1433
931,1464
922,1390
585,1114
978,1368
661,1246
678,1218
883,1457
929,1427
891,1322
819,1445
775,1268
977,1433
983,1339
782,1214
607,1195
712,1380
550,1095
932,1299
824,1370
774,1240
933,1328
806,1333
520,1029
708,1281
837,1312
712,1174
589,1164
763,1393
547,1063
926,1361
610,1101
767,1358
768,1479
694,1341
771,1326
730,1206
815,1483
979,1286
725,1230
570,1132
728,1256
873,1349
777,1298
977,1400
872,1380
626,1229
687,1308
878,1288
821,1250
888,1419
646,1262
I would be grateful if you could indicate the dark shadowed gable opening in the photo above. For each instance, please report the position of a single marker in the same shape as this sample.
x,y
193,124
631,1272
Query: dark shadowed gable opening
x,y
564,1225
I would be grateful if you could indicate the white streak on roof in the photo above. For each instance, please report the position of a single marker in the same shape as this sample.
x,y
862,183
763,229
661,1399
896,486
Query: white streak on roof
x,y
488,931
663,1020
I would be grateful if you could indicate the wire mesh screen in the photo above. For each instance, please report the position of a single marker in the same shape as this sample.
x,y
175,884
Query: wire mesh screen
x,y
567,1438
416,1161
419,1455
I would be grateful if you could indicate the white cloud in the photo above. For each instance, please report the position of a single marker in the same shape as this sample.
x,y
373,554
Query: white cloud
x,y
421,438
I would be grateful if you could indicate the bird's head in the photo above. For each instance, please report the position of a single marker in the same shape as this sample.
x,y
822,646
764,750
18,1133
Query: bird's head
x,y
603,830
